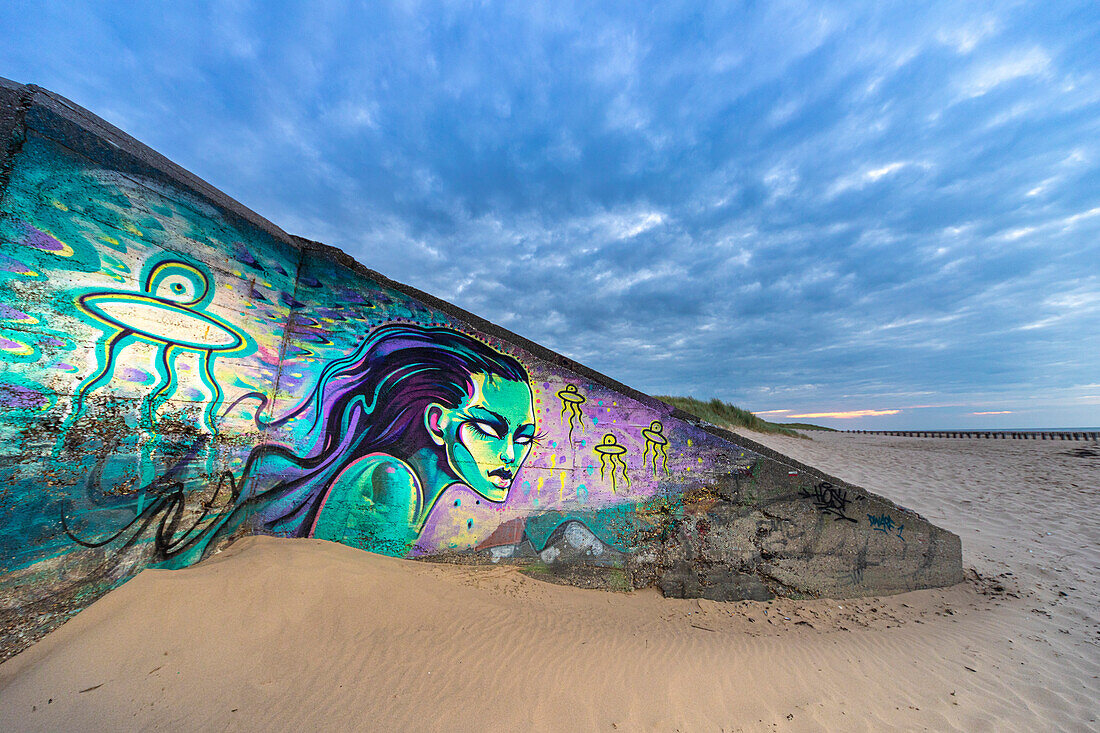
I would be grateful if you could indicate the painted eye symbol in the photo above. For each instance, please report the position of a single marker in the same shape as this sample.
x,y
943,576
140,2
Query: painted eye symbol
x,y
486,429
174,288
524,439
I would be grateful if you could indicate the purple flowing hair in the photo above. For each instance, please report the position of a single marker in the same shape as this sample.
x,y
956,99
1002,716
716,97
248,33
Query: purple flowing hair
x,y
370,401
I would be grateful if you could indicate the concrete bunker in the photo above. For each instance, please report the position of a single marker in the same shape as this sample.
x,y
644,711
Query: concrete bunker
x,y
179,371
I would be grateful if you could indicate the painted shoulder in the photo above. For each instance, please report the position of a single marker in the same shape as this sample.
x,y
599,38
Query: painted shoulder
x,y
374,488
362,472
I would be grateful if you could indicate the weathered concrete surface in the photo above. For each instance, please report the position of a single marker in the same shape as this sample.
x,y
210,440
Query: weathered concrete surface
x,y
178,371
762,540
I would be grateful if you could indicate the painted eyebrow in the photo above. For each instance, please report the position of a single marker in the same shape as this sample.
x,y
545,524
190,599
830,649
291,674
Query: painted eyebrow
x,y
529,427
497,418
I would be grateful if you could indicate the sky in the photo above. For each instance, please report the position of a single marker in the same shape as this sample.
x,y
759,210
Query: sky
x,y
805,208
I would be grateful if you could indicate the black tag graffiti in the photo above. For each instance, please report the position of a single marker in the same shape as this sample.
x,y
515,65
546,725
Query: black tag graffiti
x,y
830,500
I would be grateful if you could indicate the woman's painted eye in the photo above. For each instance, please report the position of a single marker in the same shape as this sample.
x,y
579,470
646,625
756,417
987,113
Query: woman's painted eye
x,y
524,439
486,429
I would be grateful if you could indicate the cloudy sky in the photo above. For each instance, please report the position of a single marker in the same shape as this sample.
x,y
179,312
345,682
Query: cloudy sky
x,y
803,208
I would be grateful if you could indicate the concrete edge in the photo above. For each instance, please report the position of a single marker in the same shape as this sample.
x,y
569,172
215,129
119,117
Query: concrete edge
x,y
14,101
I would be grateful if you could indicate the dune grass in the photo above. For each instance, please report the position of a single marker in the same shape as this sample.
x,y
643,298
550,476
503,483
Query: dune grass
x,y
805,426
725,415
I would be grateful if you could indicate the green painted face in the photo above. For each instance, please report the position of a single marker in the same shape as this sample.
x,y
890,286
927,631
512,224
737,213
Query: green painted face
x,y
488,436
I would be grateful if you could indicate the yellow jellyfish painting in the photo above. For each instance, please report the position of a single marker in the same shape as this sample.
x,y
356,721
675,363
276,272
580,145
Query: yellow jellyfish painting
x,y
611,455
656,441
571,402
168,313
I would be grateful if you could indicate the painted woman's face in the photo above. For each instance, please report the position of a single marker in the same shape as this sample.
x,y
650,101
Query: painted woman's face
x,y
488,436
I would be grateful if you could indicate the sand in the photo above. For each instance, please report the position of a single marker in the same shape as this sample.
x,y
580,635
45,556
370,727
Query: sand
x,y
305,634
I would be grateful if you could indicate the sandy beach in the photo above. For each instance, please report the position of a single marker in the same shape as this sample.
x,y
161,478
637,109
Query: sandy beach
x,y
306,634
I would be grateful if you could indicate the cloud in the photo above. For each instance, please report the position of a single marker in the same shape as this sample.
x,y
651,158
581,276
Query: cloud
x,y
872,174
787,203
848,415
965,38
1033,62
877,173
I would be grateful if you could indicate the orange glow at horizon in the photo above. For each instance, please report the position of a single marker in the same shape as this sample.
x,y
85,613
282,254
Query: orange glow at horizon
x,y
852,413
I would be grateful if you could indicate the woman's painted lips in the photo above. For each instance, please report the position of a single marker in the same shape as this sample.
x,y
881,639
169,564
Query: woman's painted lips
x,y
502,472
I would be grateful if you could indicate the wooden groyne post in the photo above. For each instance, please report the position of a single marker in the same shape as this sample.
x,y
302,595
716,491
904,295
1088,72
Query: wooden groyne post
x,y
988,434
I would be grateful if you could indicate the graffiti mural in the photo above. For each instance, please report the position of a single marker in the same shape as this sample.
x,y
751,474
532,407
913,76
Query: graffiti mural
x,y
411,413
199,380
611,459
140,328
571,402
656,444
167,313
